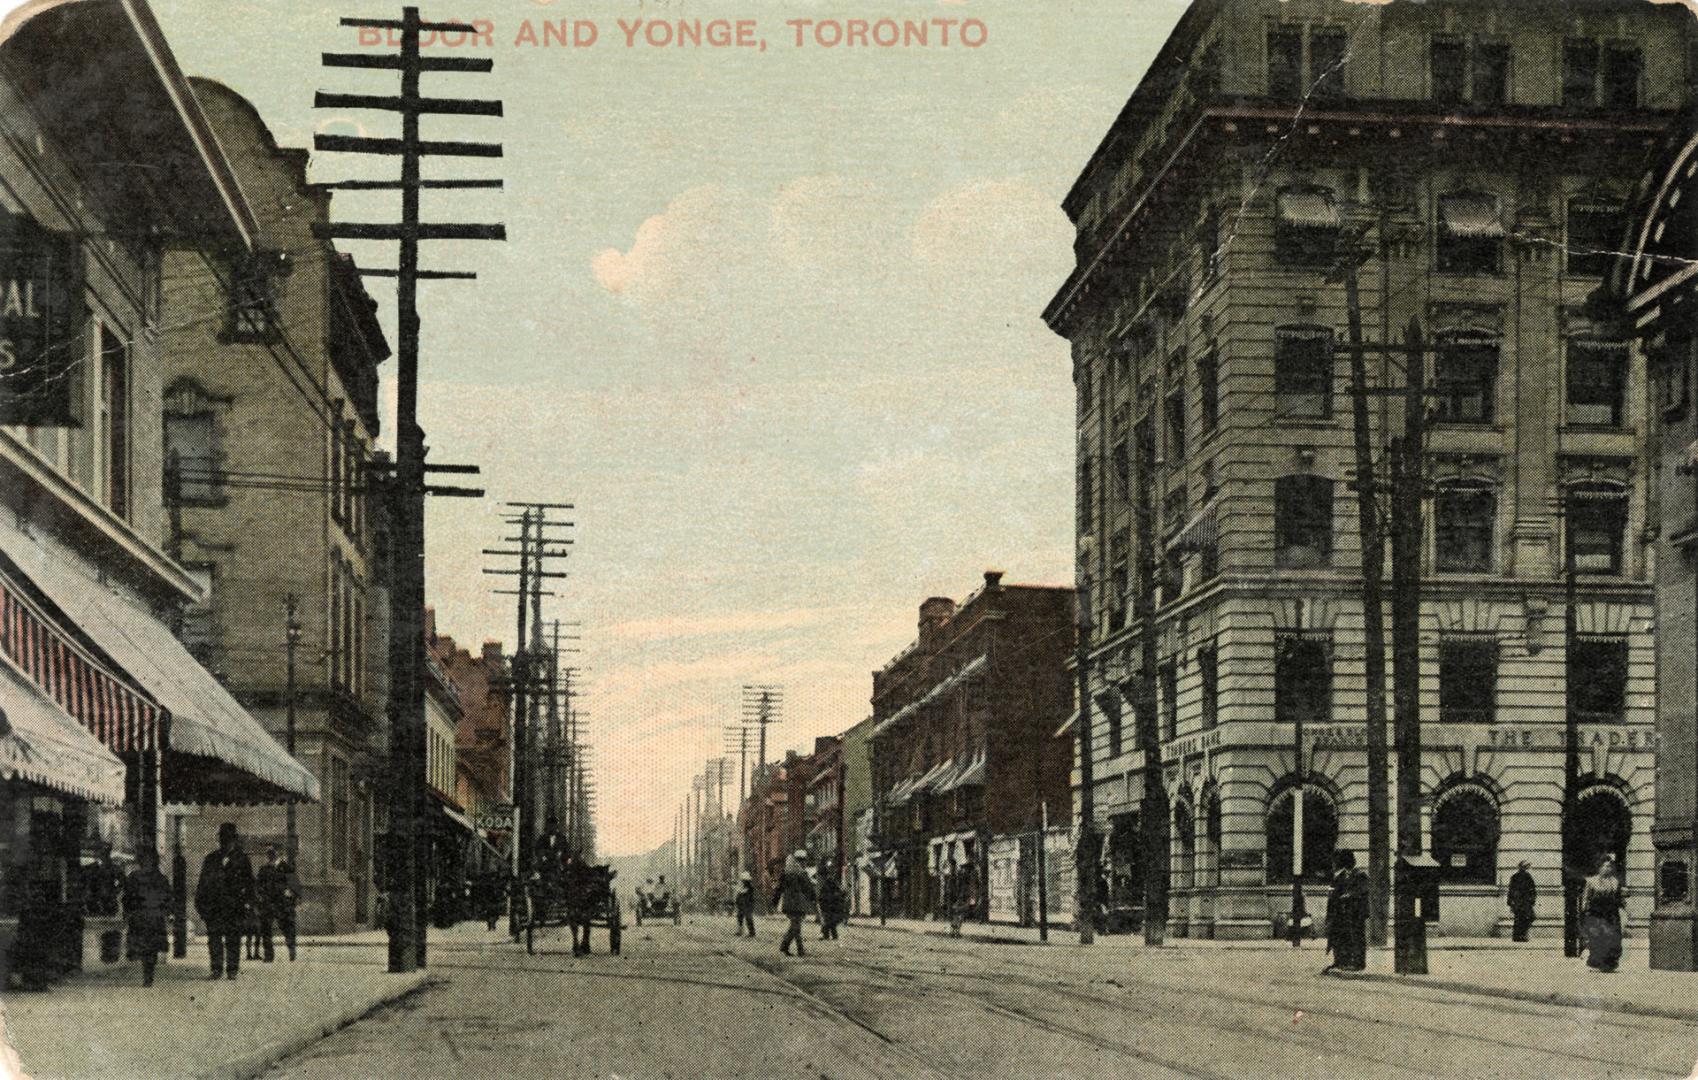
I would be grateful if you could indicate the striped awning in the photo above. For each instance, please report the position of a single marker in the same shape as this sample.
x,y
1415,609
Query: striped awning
x,y
971,775
1308,208
42,743
1471,216
935,779
215,751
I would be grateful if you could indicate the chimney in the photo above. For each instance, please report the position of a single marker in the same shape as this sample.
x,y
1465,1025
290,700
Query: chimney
x,y
492,652
430,624
993,580
934,613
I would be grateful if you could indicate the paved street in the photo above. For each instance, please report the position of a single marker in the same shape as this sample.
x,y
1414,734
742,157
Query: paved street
x,y
696,1001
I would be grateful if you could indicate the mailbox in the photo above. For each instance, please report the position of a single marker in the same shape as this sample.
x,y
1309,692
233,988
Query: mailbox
x,y
1419,874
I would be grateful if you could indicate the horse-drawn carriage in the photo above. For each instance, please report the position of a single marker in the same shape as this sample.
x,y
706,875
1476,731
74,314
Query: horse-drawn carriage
x,y
576,896
659,903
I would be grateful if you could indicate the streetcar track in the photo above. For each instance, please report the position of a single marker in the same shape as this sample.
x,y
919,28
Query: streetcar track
x,y
1073,993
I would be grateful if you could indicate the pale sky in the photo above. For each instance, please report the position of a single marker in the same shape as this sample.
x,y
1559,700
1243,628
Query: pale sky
x,y
770,319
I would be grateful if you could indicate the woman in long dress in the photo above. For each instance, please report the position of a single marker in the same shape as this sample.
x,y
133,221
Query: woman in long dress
x,y
1600,907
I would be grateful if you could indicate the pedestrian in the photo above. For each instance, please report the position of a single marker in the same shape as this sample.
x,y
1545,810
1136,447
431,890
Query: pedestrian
x,y
796,898
746,904
223,893
147,905
1523,894
1347,915
831,904
278,892
1601,902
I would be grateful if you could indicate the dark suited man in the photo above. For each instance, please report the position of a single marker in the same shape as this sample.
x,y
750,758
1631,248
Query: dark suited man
x,y
222,896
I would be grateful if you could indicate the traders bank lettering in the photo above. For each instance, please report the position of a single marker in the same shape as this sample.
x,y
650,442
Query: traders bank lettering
x,y
1355,737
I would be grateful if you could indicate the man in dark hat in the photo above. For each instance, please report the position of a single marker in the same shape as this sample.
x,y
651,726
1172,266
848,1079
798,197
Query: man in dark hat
x,y
1523,898
222,897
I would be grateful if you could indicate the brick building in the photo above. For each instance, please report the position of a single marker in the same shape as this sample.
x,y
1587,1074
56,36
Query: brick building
x,y
823,809
963,745
483,744
1480,157
270,412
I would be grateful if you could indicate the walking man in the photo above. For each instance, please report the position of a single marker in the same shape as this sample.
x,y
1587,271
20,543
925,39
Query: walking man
x,y
147,903
1347,915
222,895
746,905
832,903
278,892
1523,894
796,898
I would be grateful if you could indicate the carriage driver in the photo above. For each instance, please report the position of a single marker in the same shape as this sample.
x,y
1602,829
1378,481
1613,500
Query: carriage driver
x,y
552,851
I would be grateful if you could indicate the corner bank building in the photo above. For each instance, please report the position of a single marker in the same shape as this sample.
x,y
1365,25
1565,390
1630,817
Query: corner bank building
x,y
1481,158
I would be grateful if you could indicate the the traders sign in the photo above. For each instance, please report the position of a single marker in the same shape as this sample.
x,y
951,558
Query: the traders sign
x,y
40,307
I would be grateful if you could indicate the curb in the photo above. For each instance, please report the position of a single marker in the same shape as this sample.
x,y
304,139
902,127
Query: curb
x,y
251,1064
1568,1001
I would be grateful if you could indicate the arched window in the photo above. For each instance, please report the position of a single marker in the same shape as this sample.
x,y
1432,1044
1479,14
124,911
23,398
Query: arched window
x,y
1465,835
1320,836
1601,826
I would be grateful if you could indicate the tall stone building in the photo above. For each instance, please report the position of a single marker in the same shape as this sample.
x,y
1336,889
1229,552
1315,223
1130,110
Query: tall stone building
x,y
1481,156
270,412
1658,283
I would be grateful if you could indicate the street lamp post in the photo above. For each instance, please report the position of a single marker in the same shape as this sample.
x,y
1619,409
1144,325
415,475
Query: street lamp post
x,y
1085,855
291,642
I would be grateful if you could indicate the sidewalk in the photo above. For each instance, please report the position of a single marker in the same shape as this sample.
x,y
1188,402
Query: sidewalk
x,y
103,1023
1492,967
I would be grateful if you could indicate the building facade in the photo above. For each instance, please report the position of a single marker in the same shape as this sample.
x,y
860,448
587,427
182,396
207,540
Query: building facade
x,y
483,744
1658,280
109,722
1475,161
824,806
270,415
963,746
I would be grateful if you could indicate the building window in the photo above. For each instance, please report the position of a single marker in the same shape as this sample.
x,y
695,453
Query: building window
x,y
1468,680
1302,521
1168,674
1208,672
1597,679
191,440
1306,226
1623,65
1465,837
1211,239
1285,63
1674,376
1109,702
1447,62
1465,377
338,814
1303,372
1302,679
250,312
1595,234
1208,389
1491,74
1597,383
1320,837
1082,380
1329,51
1464,516
1087,493
1122,463
115,419
199,627
1597,524
1470,233
1175,413
1580,74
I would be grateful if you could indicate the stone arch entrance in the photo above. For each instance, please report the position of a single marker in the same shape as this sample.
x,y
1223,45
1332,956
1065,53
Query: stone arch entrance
x,y
1602,825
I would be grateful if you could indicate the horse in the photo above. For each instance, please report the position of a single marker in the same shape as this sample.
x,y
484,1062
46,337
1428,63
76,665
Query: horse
x,y
587,892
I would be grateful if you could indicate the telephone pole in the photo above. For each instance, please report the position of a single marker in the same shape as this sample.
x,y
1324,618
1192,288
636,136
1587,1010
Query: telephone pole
x,y
1409,476
1154,807
762,705
404,876
1373,602
1085,855
535,549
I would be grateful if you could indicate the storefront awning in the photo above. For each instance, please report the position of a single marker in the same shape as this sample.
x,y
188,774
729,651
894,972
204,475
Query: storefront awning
x,y
1200,533
1471,216
43,743
970,775
1308,208
206,724
936,777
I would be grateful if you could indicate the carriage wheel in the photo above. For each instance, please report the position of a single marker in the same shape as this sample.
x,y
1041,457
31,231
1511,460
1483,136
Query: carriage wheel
x,y
614,922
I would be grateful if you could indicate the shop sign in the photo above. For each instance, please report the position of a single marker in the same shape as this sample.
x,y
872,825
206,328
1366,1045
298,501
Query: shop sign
x,y
40,311
495,818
